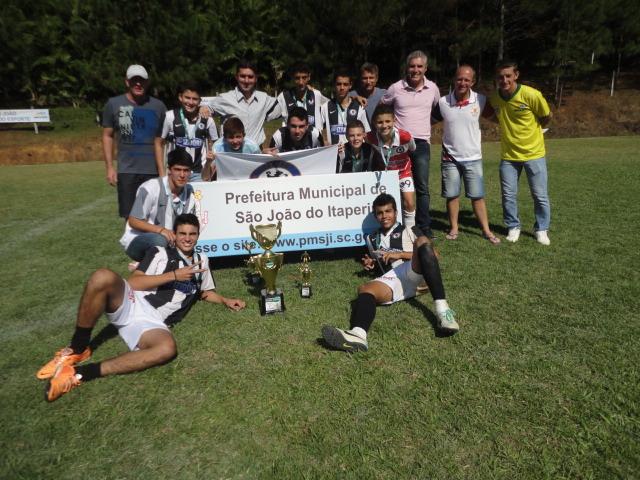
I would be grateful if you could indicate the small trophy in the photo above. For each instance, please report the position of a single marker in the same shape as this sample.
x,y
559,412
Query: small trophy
x,y
305,271
253,275
268,264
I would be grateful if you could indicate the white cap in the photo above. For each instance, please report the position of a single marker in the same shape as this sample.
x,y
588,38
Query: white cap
x,y
137,71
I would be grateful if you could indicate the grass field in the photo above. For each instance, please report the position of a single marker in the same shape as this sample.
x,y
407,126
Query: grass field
x,y
541,382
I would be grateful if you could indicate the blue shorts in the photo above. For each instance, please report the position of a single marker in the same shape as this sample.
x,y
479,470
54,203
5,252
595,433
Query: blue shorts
x,y
471,173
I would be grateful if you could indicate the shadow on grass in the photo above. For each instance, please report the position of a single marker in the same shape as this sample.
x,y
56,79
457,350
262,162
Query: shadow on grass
x,y
107,333
430,317
467,223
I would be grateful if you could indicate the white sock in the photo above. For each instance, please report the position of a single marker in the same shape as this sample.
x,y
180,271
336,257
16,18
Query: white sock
x,y
359,332
408,218
441,306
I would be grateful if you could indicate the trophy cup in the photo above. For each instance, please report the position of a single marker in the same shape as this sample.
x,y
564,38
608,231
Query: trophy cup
x,y
268,264
305,271
253,275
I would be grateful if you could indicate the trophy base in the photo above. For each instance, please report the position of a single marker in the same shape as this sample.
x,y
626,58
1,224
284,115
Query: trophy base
x,y
253,279
305,291
271,302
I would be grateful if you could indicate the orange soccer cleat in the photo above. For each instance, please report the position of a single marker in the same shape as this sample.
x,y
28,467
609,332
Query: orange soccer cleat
x,y
63,381
64,356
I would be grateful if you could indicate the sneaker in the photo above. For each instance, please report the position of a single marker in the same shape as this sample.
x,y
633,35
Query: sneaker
x,y
64,356
447,321
542,237
63,381
343,340
514,235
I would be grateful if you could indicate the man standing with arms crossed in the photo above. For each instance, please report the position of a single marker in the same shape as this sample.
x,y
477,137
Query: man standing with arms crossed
x,y
522,113
412,99
136,118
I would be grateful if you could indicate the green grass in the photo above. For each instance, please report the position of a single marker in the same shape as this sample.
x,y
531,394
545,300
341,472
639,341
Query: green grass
x,y
541,382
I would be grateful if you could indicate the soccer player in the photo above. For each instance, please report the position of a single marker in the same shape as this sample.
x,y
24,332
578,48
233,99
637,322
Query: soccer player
x,y
395,146
407,261
158,202
184,128
522,112
341,110
132,120
302,96
412,99
358,155
158,294
233,140
297,135
368,88
462,149
250,105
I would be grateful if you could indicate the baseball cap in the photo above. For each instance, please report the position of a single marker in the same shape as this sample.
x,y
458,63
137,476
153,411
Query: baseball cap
x,y
137,71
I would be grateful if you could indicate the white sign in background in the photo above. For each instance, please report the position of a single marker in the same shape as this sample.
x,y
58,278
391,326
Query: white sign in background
x,y
24,116
317,211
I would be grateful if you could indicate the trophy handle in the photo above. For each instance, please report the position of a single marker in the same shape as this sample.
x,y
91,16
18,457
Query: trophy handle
x,y
279,227
256,235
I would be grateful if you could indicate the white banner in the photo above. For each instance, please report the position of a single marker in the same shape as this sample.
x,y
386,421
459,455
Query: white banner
x,y
317,211
241,166
24,116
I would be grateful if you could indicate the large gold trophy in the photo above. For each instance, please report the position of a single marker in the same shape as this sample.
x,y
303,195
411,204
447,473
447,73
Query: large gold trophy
x,y
268,264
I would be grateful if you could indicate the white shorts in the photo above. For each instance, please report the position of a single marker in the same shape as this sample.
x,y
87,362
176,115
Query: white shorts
x,y
402,281
134,317
406,184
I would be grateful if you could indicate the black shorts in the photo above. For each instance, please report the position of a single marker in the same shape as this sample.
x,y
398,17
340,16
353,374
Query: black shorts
x,y
128,184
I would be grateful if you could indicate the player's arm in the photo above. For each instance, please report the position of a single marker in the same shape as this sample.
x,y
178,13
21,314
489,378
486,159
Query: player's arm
x,y
544,121
141,281
212,296
158,150
390,257
107,151
144,226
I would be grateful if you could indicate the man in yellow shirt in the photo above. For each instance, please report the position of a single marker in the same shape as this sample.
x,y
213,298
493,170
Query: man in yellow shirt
x,y
522,113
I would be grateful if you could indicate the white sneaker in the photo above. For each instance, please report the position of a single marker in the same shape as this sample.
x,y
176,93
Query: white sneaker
x,y
343,340
447,321
542,237
514,235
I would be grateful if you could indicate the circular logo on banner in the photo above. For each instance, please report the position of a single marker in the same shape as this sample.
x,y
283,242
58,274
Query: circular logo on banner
x,y
275,168
352,112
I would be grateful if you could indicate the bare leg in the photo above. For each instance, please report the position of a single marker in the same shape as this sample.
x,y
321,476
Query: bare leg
x,y
381,292
480,209
103,292
453,209
157,347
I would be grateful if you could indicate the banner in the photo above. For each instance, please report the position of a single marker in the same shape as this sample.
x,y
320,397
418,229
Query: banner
x,y
241,166
317,211
30,115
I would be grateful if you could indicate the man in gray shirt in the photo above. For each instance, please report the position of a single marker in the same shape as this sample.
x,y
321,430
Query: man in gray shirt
x,y
368,88
133,120
251,106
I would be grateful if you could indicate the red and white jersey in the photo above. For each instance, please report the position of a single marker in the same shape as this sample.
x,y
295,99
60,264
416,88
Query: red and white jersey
x,y
395,156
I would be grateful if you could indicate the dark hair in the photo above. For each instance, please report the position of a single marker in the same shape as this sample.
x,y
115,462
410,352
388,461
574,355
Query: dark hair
x,y
369,67
343,72
506,64
179,156
244,63
189,85
355,124
300,113
384,199
186,219
232,126
300,67
381,109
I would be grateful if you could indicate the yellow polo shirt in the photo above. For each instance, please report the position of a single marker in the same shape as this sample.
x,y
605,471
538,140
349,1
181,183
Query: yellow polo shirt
x,y
521,137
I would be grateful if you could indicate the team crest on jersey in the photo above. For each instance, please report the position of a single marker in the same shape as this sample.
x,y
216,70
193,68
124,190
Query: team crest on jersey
x,y
475,111
275,168
522,106
400,150
311,100
352,112
200,126
396,235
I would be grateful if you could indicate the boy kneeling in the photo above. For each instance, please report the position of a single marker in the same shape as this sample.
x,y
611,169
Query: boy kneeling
x,y
407,261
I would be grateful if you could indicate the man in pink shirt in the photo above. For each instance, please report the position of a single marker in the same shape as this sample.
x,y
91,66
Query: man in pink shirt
x,y
412,99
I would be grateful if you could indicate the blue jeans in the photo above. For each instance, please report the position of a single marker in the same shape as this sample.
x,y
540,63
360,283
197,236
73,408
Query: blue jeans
x,y
143,242
536,171
420,166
